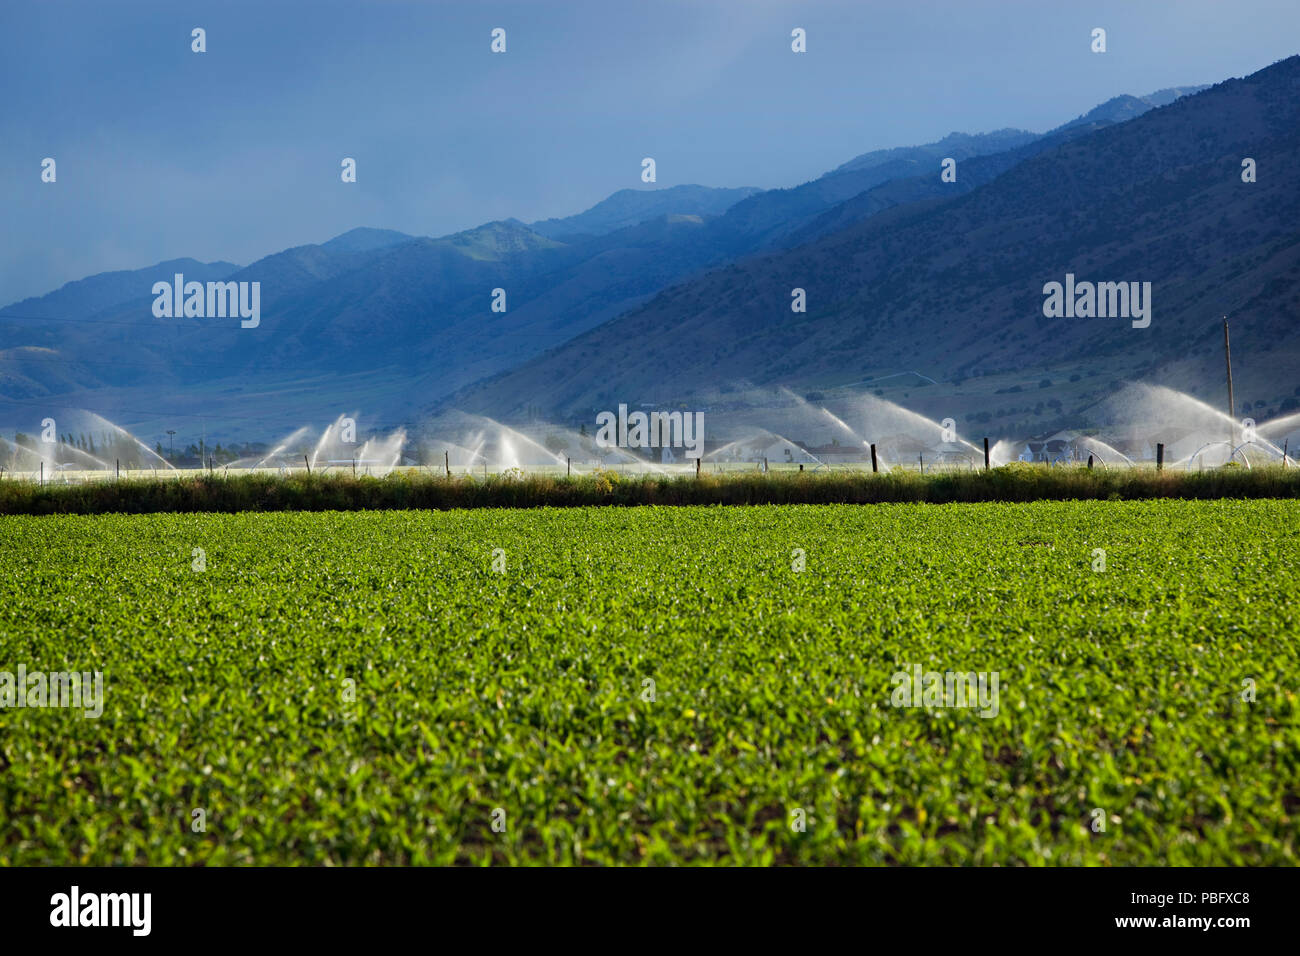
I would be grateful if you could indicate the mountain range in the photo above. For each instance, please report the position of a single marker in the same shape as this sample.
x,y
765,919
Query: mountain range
x,y
683,294
949,287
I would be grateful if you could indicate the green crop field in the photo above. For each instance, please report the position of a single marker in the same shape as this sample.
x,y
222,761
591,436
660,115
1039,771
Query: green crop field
x,y
658,685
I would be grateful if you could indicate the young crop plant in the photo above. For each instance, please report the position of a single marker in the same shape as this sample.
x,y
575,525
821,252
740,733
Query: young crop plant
x,y
954,684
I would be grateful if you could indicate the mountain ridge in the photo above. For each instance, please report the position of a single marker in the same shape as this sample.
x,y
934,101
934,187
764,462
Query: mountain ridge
x,y
400,320
953,286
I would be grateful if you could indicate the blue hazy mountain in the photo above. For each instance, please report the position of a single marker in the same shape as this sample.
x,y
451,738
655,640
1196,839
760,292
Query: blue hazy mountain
x,y
363,239
953,286
631,207
86,298
382,320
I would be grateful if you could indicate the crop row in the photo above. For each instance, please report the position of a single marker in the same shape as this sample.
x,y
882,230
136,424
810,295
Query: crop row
x,y
658,685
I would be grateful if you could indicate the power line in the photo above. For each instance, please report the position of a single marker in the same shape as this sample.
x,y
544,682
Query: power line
x,y
91,321
173,414
164,364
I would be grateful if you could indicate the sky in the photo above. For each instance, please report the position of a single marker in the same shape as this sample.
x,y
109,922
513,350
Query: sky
x,y
235,153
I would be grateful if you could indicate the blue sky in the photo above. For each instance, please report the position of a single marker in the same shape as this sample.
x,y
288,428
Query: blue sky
x,y
234,153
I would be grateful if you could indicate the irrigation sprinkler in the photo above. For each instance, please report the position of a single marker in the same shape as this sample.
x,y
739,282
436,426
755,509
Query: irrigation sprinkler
x,y
1240,448
1090,462
986,453
306,462
697,466
446,460
42,474
117,472
1160,456
568,467
875,467
921,458
1285,445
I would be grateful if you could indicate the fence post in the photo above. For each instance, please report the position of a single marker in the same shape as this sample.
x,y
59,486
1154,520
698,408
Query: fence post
x,y
874,466
1160,456
986,454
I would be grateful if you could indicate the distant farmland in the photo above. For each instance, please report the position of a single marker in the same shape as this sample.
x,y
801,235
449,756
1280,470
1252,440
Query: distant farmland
x,y
658,685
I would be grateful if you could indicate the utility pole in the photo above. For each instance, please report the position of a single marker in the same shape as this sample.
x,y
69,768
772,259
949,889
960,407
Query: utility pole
x,y
1232,408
